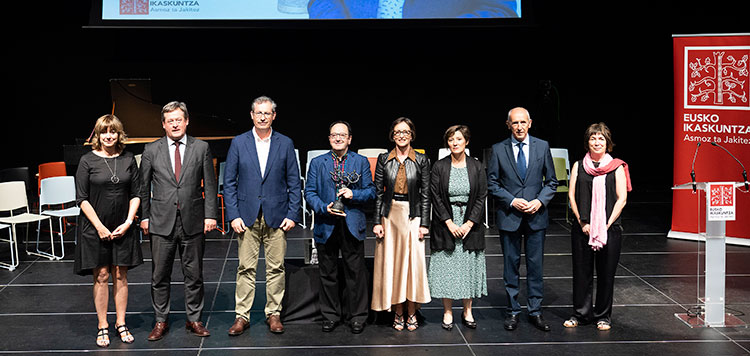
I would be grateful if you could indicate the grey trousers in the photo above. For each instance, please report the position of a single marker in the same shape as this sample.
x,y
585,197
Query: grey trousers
x,y
190,251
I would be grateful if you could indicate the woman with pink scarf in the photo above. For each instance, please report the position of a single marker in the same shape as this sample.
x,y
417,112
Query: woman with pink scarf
x,y
599,186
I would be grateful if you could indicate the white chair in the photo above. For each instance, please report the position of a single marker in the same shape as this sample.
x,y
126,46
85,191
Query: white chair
x,y
13,198
444,152
9,240
371,152
56,191
310,155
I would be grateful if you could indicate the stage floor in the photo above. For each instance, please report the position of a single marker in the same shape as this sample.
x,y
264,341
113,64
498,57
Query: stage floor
x,y
45,308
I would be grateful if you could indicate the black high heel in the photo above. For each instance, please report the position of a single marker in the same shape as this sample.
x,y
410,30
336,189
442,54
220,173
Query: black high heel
x,y
469,324
446,326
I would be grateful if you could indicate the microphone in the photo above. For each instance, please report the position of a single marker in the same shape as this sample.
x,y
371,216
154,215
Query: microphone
x,y
744,173
692,168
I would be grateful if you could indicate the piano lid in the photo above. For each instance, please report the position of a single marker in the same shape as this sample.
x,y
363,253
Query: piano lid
x,y
141,117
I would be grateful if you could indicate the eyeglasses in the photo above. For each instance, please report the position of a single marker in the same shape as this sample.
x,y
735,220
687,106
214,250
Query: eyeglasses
x,y
402,133
265,114
338,135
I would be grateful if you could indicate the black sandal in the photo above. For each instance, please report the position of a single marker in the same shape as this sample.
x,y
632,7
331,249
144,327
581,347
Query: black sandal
x,y
124,334
412,323
102,333
398,321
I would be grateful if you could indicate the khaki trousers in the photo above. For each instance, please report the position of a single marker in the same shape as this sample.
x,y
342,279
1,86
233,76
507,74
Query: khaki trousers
x,y
249,242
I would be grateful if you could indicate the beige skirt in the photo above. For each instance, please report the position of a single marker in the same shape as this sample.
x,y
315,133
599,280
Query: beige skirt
x,y
400,271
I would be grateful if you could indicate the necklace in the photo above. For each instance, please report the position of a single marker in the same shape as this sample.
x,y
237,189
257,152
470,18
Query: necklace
x,y
114,179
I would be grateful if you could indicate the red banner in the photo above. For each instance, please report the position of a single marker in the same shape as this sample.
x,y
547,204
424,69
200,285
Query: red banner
x,y
712,109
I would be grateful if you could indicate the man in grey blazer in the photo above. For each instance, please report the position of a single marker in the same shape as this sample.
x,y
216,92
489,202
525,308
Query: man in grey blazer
x,y
521,175
178,207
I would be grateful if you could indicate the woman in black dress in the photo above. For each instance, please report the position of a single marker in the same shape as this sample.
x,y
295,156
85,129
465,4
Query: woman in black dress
x,y
599,186
107,184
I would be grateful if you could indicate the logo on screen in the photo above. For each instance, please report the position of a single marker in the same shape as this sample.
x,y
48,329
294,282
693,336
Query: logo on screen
x,y
717,78
722,195
133,7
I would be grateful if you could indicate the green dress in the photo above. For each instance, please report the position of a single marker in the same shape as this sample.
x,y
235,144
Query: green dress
x,y
458,274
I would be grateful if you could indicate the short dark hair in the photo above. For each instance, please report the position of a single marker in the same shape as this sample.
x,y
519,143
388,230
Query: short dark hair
x,y
348,127
463,129
408,122
599,128
172,106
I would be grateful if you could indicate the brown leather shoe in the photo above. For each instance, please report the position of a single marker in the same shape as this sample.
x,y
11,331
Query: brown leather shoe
x,y
197,328
160,329
239,326
274,324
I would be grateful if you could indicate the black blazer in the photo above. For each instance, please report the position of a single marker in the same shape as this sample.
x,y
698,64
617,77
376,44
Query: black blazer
x,y
417,179
440,237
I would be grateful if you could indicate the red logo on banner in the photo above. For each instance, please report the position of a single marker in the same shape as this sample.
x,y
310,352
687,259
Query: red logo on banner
x,y
722,195
717,77
133,7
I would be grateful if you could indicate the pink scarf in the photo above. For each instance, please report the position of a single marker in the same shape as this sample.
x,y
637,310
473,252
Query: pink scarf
x,y
598,219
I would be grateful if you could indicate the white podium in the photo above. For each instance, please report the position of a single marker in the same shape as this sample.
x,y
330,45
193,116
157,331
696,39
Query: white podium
x,y
713,313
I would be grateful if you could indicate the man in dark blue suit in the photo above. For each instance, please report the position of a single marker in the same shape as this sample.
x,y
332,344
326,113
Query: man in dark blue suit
x,y
340,230
521,175
262,194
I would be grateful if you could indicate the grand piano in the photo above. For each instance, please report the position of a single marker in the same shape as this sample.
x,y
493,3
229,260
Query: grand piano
x,y
132,103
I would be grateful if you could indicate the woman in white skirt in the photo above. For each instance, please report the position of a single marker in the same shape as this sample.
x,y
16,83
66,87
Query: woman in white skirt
x,y
402,208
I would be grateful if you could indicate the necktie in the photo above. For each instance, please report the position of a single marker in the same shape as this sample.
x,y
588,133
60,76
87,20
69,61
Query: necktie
x,y
521,161
177,160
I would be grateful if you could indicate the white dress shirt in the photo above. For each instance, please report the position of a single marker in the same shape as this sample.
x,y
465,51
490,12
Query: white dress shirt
x,y
262,146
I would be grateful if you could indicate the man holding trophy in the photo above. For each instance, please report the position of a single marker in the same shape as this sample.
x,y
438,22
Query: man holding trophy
x,y
337,187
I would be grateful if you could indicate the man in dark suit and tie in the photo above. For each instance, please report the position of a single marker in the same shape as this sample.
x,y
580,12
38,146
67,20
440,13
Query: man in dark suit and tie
x,y
341,230
262,194
521,175
178,207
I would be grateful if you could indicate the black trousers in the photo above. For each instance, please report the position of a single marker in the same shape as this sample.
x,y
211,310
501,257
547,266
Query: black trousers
x,y
355,276
190,250
584,261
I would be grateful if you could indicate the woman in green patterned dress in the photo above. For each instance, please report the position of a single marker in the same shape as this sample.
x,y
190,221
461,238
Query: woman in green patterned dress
x,y
458,189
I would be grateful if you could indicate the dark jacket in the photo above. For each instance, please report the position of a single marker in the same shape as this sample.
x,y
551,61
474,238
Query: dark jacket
x,y
418,181
161,191
440,236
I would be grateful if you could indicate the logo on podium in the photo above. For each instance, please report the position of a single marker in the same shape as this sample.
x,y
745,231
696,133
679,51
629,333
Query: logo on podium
x,y
720,202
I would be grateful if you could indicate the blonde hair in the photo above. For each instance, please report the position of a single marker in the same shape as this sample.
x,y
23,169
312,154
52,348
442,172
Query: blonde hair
x,y
108,123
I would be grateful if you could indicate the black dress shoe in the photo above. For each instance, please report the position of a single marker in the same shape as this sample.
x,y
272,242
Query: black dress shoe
x,y
357,327
539,323
328,325
511,322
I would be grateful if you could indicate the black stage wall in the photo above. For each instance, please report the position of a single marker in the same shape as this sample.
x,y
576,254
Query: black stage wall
x,y
571,65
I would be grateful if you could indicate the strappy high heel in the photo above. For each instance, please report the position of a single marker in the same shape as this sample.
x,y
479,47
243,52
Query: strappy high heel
x,y
398,321
411,323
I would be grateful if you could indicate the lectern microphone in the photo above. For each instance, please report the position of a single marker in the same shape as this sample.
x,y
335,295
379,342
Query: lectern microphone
x,y
692,167
744,173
